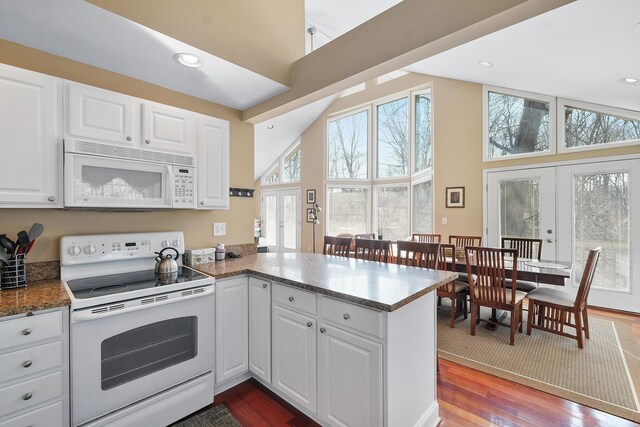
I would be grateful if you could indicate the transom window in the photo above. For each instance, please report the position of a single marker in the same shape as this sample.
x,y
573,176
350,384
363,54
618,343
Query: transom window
x,y
287,169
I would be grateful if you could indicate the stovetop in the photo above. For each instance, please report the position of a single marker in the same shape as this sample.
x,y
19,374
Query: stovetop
x,y
100,286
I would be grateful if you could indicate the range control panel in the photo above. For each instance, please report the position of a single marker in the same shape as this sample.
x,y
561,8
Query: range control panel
x,y
183,187
113,247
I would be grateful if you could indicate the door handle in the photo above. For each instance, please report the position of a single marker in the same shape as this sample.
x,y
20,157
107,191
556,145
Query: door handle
x,y
549,240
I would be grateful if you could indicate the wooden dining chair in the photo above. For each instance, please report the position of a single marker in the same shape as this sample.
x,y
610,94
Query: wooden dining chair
x,y
460,242
426,237
366,236
417,254
334,245
456,291
491,288
552,309
527,248
373,250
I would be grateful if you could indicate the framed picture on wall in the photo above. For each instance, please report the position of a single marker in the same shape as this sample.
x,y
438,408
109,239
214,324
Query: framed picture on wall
x,y
311,196
310,216
455,197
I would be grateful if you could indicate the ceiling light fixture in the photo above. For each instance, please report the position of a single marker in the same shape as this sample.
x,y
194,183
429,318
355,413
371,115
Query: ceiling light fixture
x,y
637,27
188,60
485,63
629,81
270,127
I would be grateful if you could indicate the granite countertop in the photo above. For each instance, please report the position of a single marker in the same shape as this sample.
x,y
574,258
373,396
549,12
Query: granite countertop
x,y
38,295
385,287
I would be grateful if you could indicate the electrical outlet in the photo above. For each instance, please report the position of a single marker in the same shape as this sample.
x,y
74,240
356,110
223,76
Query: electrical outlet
x,y
444,220
219,228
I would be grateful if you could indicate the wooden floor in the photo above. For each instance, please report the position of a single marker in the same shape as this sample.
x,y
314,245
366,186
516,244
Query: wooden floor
x,y
466,398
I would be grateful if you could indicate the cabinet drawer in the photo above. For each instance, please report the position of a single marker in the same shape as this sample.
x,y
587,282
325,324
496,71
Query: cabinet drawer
x,y
351,315
30,361
49,416
297,299
30,393
27,330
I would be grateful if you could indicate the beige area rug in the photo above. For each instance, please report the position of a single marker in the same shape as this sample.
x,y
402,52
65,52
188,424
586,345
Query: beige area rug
x,y
218,416
597,376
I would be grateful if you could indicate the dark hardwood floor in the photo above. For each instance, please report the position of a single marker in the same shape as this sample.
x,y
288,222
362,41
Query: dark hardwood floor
x,y
466,398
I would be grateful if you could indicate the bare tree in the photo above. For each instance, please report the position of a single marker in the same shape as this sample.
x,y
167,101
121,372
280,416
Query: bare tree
x,y
393,138
347,155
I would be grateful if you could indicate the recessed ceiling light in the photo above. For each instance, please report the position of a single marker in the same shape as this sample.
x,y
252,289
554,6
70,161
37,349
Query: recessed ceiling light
x,y
270,127
188,60
637,27
629,81
485,63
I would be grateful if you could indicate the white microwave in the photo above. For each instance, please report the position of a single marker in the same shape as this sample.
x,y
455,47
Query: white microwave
x,y
105,176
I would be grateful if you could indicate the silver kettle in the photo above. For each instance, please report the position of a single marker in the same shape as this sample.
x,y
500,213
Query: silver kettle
x,y
167,264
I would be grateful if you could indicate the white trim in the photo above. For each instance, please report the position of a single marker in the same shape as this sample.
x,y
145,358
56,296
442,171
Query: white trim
x,y
431,418
510,92
412,131
595,108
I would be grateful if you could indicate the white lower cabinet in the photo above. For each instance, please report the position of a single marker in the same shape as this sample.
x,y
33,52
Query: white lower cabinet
x,y
232,329
349,378
260,328
294,356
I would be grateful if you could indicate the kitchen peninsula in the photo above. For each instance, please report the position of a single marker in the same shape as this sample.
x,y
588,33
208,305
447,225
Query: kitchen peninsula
x,y
349,342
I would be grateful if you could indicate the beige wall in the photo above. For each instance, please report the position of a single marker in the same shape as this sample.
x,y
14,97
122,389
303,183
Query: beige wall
x,y
196,225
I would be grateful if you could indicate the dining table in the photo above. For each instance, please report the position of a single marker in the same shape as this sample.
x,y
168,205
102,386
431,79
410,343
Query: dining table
x,y
549,272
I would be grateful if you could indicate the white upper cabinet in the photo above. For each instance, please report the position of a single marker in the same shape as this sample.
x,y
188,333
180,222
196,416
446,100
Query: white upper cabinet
x,y
166,128
213,163
102,115
30,107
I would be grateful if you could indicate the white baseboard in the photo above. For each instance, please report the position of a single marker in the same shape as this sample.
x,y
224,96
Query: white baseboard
x,y
431,418
231,382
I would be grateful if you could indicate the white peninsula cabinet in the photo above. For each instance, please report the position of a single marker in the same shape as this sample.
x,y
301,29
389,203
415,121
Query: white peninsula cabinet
x,y
213,163
260,328
30,107
232,329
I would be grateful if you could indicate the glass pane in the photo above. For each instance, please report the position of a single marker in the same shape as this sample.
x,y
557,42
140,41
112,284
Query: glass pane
x,y
393,139
423,132
270,220
422,208
110,183
602,219
147,349
520,208
292,166
584,127
289,216
517,125
347,210
393,212
272,177
347,146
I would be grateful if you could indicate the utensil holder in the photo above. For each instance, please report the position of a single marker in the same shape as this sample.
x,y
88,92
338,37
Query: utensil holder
x,y
13,274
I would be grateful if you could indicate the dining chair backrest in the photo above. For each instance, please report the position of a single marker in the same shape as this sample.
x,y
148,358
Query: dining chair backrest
x,y
462,241
425,237
587,278
417,254
373,250
366,236
447,251
527,248
492,273
334,245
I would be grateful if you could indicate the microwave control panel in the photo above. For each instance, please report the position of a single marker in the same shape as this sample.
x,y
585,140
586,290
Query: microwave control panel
x,y
184,191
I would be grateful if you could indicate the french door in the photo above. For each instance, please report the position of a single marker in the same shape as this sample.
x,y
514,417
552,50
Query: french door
x,y
281,219
585,206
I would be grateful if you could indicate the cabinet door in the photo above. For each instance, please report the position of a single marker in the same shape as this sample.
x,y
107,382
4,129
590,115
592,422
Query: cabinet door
x,y
349,378
166,128
29,114
260,328
232,330
101,114
213,163
294,356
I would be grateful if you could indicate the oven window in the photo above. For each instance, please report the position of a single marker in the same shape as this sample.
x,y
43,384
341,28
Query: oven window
x,y
151,348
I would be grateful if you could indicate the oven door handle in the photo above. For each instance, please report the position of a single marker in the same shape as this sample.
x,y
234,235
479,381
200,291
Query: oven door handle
x,y
93,314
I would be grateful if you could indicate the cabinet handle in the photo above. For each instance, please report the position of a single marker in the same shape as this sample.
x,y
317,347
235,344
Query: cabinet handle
x,y
27,363
27,396
51,198
26,331
202,203
346,316
129,138
323,330
264,285
309,324
147,141
291,299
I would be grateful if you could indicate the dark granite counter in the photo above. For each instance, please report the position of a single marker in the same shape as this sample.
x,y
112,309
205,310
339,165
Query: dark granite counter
x,y
38,295
385,287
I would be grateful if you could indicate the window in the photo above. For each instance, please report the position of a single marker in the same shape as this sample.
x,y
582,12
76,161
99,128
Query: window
x,y
423,207
517,124
587,126
392,211
291,168
347,210
273,176
347,147
423,154
393,139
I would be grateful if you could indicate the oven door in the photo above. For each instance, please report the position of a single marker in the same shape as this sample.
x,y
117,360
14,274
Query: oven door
x,y
122,355
103,182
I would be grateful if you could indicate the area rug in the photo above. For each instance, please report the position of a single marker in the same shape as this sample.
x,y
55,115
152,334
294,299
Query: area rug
x,y
597,376
218,416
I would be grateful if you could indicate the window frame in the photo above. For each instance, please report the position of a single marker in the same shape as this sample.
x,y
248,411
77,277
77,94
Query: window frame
x,y
620,112
297,145
428,172
520,94
275,167
340,116
367,187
